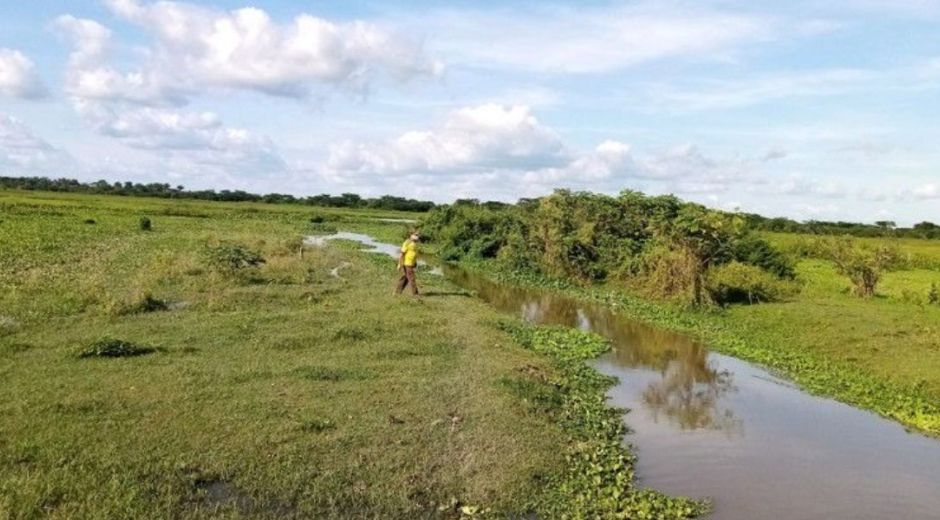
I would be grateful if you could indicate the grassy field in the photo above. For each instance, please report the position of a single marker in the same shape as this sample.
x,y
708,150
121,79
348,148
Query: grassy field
x,y
280,390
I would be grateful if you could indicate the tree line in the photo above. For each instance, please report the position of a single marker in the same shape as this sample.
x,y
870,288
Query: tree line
x,y
166,191
881,228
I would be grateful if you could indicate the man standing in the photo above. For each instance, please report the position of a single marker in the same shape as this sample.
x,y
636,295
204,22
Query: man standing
x,y
407,261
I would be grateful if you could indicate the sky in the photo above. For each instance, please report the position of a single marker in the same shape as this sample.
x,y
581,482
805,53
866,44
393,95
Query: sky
x,y
804,109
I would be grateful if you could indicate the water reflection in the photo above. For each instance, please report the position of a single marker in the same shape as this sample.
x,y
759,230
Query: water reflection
x,y
689,389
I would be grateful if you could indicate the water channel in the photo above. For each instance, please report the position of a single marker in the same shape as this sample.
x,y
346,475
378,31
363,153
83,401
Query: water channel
x,y
708,425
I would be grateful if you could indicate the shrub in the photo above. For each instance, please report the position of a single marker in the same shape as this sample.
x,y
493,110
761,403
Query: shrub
x,y
933,296
863,265
736,282
753,250
669,273
145,224
140,303
232,259
322,228
113,348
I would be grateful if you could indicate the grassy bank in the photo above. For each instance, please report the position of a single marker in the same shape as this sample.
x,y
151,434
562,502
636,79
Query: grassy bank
x,y
882,354
159,374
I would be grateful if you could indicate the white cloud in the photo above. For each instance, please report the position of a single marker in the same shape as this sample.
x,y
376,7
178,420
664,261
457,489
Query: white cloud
x,y
488,136
507,148
196,48
136,109
22,152
587,39
196,142
18,77
927,191
89,77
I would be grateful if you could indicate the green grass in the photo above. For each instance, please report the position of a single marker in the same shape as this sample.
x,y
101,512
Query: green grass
x,y
278,391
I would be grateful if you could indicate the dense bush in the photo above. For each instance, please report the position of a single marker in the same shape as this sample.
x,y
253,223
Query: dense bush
x,y
231,259
753,250
145,224
735,282
660,243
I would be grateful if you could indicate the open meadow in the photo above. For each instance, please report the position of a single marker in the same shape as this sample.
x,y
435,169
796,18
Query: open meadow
x,y
159,369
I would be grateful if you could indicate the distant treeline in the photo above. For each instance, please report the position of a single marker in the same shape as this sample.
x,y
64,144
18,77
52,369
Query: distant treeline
x,y
166,191
882,228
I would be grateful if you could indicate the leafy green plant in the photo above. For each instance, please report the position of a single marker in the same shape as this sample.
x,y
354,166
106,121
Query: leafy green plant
x,y
598,479
140,303
113,348
321,228
232,259
736,282
933,296
864,266
145,224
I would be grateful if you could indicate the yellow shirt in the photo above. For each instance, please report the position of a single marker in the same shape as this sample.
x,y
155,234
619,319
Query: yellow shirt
x,y
410,249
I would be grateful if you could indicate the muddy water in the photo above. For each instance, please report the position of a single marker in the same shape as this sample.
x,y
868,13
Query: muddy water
x,y
708,425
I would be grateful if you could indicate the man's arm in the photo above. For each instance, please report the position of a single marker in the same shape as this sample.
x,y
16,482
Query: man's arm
x,y
401,260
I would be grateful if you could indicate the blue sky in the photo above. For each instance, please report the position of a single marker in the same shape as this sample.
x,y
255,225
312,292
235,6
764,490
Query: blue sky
x,y
784,108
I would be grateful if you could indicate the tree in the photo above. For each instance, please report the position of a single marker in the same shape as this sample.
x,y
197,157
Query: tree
x,y
863,265
706,238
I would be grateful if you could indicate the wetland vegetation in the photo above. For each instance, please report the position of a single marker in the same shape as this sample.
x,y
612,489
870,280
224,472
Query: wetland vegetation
x,y
209,363
851,318
207,366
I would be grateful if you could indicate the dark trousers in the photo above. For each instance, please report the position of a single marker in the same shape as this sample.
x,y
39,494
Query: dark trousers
x,y
407,278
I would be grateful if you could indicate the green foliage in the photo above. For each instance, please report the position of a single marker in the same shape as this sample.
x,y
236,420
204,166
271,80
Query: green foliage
x,y
232,259
145,224
166,191
661,243
884,228
754,250
322,228
933,296
863,265
113,348
598,479
140,303
736,282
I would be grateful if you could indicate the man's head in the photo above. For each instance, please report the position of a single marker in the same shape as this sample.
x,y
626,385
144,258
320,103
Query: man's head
x,y
414,236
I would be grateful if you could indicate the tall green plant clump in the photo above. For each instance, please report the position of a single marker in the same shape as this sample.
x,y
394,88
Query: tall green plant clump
x,y
661,244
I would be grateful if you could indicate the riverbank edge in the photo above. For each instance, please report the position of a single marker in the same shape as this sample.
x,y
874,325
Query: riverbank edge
x,y
908,405
598,479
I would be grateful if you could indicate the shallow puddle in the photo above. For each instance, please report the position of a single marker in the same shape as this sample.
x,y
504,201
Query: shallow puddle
x,y
708,425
